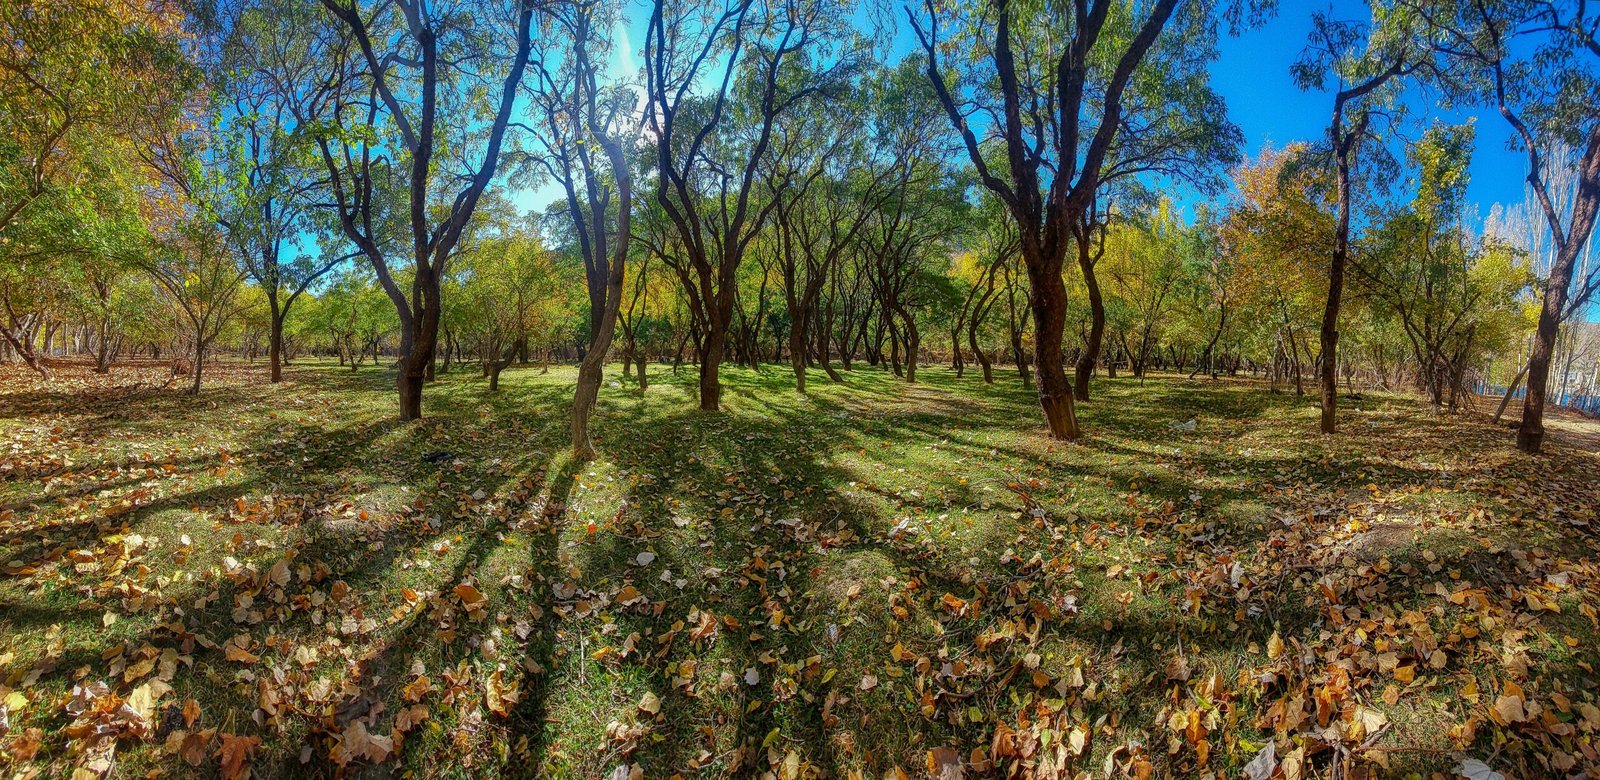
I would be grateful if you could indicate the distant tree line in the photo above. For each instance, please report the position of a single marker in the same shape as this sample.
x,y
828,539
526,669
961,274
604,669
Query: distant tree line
x,y
277,179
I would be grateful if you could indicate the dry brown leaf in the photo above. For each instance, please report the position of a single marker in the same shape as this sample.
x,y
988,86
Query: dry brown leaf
x,y
236,753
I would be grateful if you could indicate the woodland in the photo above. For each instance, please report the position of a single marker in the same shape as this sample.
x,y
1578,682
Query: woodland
x,y
797,389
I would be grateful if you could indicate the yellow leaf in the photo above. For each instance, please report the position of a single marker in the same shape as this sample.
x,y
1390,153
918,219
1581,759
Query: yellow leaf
x,y
650,704
496,695
1509,709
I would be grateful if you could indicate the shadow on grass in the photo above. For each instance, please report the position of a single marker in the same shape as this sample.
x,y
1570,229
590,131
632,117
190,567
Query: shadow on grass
x,y
898,486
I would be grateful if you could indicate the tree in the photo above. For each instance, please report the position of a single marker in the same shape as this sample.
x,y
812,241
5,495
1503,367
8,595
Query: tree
x,y
1455,297
644,320
73,75
356,316
1278,234
266,208
1174,127
193,267
1057,113
1211,292
510,293
1537,63
71,71
1366,61
245,165
826,188
1145,262
991,244
409,76
709,148
578,116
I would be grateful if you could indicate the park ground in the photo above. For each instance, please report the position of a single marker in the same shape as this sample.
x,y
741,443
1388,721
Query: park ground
x,y
873,580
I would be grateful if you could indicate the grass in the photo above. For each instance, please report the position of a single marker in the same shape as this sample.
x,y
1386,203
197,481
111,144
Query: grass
x,y
867,579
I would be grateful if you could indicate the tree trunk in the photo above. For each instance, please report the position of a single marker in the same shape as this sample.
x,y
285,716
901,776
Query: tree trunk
x,y
1021,360
825,353
102,358
416,362
1084,370
1329,334
978,353
409,381
199,364
22,343
275,345
1208,358
955,350
591,372
1530,434
797,358
913,345
710,387
1049,302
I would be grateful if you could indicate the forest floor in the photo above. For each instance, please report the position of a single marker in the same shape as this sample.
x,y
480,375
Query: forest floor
x,y
872,580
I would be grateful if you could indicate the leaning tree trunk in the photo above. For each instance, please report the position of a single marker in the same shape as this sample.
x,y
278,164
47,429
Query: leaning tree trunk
x,y
22,344
103,353
1584,208
824,347
1530,434
592,371
977,352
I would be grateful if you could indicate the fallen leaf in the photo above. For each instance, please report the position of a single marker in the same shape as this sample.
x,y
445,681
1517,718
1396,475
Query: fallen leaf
x,y
1265,763
1473,769
236,753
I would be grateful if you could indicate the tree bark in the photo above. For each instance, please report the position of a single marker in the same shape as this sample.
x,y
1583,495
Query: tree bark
x,y
1530,434
913,345
710,388
199,365
1084,370
1049,302
1329,334
24,348
275,344
797,357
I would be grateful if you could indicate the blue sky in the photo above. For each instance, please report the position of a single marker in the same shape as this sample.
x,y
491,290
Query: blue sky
x,y
1251,73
